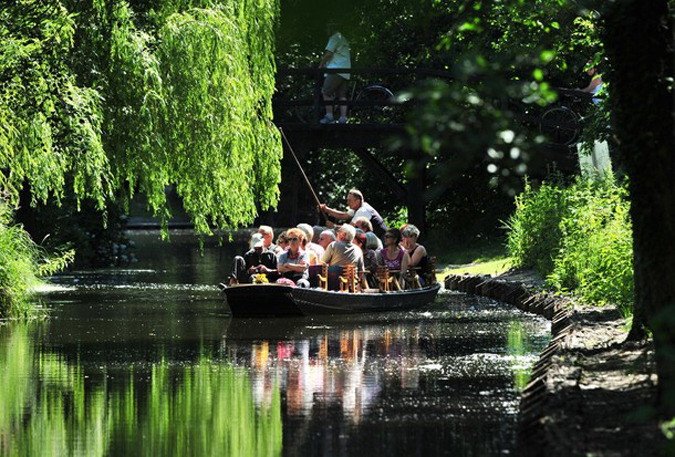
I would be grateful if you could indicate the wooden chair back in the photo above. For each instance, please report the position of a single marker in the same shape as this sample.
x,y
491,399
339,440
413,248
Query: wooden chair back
x,y
323,277
348,280
387,282
411,279
429,276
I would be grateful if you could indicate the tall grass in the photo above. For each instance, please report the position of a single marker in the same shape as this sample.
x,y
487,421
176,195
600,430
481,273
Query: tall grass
x,y
579,237
22,263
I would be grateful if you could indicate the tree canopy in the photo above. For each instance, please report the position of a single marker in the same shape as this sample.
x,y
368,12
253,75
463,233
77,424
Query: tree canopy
x,y
103,100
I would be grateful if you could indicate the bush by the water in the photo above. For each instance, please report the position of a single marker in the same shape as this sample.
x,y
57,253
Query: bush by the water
x,y
22,262
578,236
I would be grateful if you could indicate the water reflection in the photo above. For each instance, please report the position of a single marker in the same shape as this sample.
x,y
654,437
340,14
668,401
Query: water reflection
x,y
423,384
51,407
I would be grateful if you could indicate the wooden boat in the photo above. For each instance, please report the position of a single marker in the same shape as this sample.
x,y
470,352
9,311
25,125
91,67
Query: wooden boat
x,y
252,300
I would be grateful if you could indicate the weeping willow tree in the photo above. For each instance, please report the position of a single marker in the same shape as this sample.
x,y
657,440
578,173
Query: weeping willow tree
x,y
100,100
201,89
95,104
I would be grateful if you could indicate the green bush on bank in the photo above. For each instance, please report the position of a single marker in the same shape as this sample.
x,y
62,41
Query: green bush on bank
x,y
22,263
579,237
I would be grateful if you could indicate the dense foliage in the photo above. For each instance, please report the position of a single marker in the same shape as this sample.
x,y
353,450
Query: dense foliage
x,y
502,61
117,101
579,236
102,99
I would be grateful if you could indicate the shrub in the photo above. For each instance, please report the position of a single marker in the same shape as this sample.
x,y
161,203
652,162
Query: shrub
x,y
22,262
579,237
534,231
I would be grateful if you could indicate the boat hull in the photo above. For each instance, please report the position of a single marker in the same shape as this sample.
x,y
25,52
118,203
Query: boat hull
x,y
315,301
249,300
279,300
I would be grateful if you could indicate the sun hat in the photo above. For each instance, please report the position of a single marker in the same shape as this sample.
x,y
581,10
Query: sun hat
x,y
257,241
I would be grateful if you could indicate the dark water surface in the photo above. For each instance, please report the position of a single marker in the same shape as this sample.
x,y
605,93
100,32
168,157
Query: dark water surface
x,y
146,361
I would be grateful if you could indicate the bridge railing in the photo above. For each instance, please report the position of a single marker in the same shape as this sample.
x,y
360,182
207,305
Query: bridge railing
x,y
299,99
370,97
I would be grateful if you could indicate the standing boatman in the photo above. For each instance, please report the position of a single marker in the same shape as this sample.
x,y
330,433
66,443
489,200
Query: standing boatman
x,y
357,208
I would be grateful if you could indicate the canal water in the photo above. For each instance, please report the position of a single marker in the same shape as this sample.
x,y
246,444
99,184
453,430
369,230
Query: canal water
x,y
146,361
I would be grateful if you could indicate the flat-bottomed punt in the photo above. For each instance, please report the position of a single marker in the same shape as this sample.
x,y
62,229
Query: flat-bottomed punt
x,y
271,300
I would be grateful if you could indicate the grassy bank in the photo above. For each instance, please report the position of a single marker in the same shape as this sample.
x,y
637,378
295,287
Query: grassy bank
x,y
22,263
482,257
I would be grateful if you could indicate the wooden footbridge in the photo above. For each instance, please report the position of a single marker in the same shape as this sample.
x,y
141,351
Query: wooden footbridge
x,y
375,117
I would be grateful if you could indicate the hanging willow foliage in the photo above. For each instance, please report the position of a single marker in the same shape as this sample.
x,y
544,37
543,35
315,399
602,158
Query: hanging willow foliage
x,y
220,148
50,126
94,99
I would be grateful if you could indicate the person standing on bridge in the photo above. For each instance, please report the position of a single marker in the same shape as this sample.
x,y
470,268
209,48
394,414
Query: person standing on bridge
x,y
358,208
337,55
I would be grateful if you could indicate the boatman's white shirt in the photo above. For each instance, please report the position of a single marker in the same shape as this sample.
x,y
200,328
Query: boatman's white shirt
x,y
361,212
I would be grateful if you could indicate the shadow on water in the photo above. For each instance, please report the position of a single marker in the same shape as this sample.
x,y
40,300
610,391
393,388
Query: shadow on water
x,y
145,362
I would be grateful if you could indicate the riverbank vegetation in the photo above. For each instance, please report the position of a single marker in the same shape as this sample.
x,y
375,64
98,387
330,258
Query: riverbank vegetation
x,y
22,264
578,236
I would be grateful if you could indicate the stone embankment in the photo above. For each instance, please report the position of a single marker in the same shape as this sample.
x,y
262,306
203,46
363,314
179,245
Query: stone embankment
x,y
590,392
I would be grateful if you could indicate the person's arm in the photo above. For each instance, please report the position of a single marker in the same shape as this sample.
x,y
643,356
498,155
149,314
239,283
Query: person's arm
x,y
335,213
379,258
417,255
297,267
595,82
405,261
325,59
268,262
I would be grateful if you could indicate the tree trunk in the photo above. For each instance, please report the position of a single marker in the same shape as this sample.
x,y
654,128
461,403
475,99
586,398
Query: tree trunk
x,y
638,42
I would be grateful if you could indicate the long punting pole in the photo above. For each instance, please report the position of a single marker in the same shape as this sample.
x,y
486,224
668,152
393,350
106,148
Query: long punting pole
x,y
290,148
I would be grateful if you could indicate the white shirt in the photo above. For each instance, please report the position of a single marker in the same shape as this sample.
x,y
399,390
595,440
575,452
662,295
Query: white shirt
x,y
339,46
361,212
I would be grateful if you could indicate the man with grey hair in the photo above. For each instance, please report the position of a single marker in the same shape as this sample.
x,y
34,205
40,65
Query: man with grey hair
x,y
326,238
364,224
358,208
268,235
343,251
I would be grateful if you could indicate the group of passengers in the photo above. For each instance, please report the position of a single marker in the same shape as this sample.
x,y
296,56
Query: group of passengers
x,y
300,252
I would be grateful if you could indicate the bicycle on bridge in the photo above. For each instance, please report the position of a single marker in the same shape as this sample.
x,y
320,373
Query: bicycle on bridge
x,y
367,102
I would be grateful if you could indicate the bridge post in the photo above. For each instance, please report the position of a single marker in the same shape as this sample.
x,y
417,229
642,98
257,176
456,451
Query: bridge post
x,y
318,97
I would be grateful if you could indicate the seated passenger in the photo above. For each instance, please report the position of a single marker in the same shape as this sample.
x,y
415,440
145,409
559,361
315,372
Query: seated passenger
x,y
268,235
326,238
367,227
314,248
394,257
418,254
317,229
342,251
282,241
256,261
294,263
369,259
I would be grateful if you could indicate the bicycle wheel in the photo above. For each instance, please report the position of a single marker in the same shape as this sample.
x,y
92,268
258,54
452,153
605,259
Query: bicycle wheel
x,y
376,113
560,125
